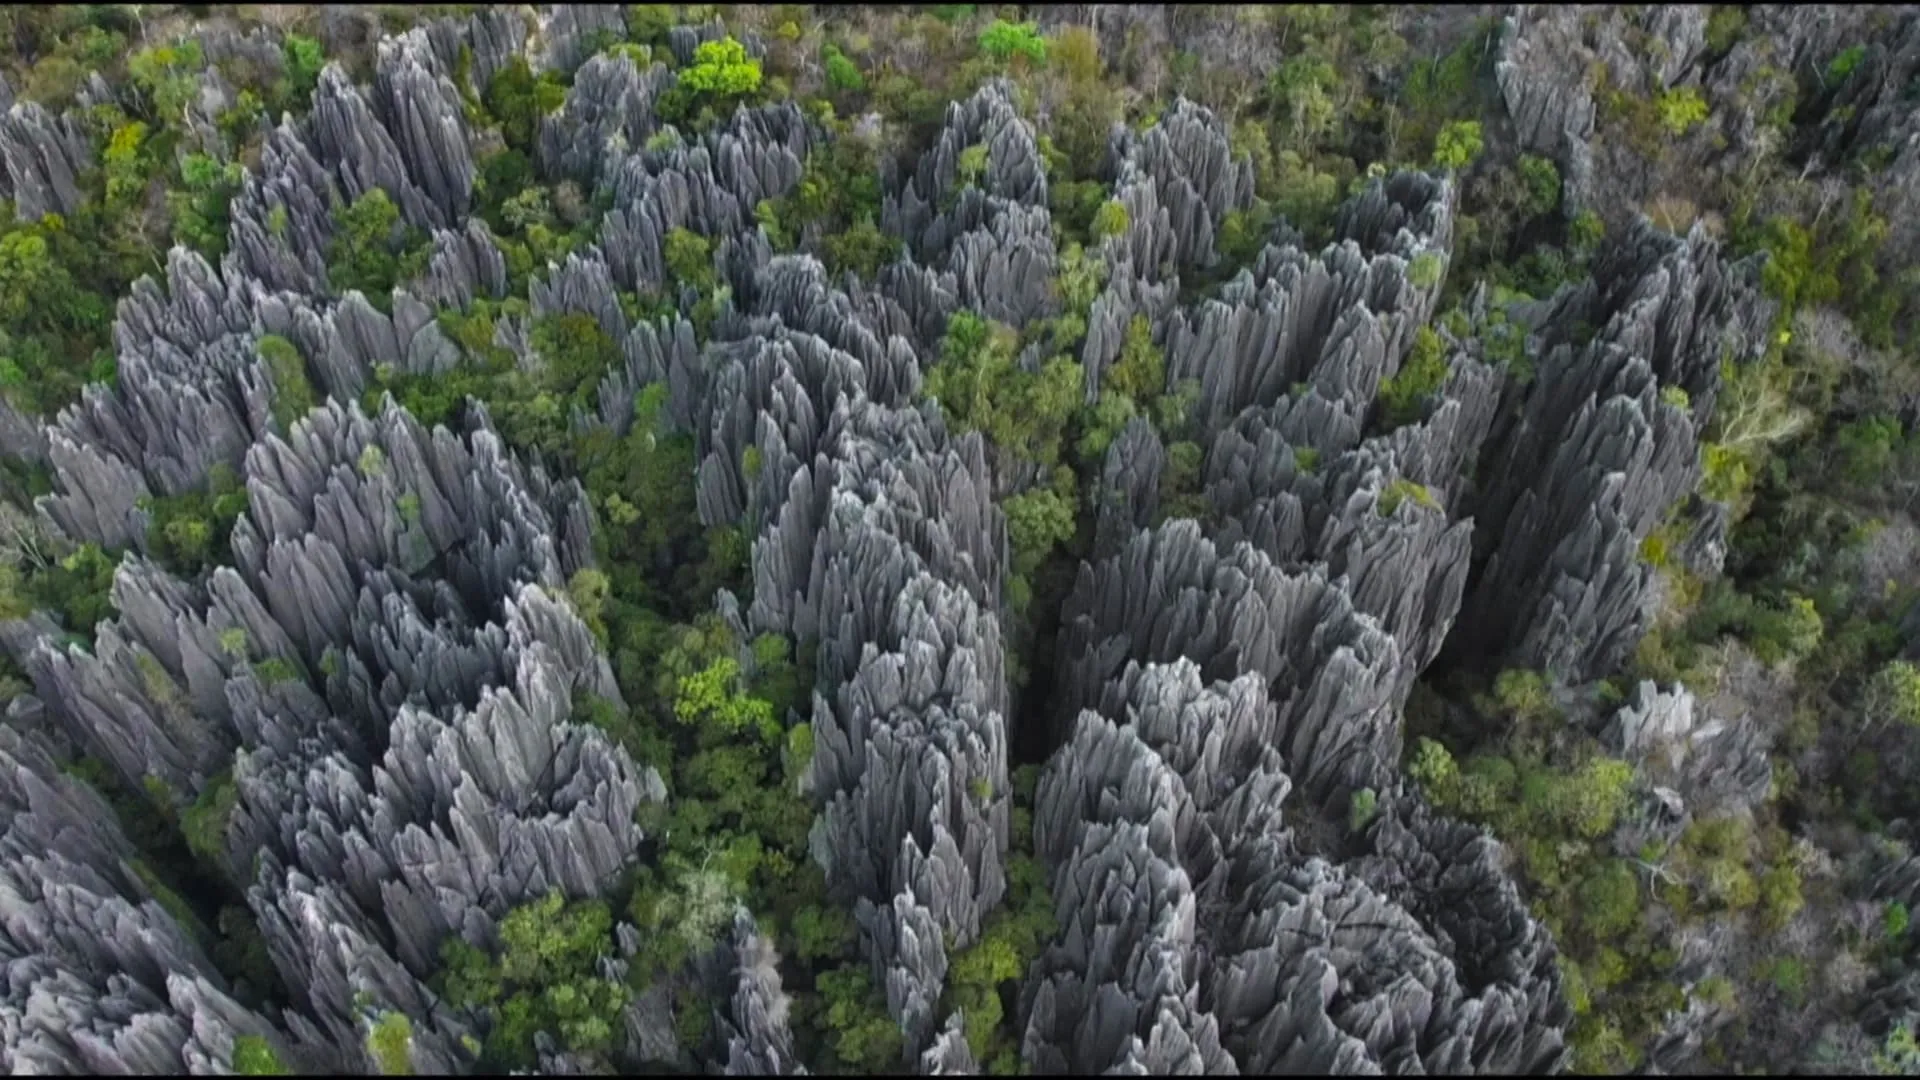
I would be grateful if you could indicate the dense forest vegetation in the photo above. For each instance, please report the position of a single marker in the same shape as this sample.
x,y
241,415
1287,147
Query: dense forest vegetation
x,y
1746,934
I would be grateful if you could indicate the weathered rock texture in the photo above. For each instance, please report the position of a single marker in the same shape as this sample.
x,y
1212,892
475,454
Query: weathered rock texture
x,y
1598,456
1197,936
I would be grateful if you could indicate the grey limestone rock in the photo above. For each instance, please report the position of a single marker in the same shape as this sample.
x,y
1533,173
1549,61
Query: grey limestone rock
x,y
904,756
1118,992
363,154
1343,321
571,29
1710,762
1196,936
280,224
102,979
1546,96
876,538
44,158
1170,593
1317,971
191,396
1004,271
710,187
608,112
749,1036
491,38
422,109
1596,459
1186,160
1129,487
465,266
1012,176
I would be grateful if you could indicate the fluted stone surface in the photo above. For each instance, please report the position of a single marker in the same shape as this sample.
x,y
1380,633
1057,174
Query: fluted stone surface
x,y
44,158
994,239
608,111
1593,464
1708,762
876,539
362,153
1171,593
749,1036
1197,937
101,978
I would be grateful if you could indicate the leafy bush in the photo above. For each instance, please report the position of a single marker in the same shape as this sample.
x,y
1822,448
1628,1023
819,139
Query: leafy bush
x,y
254,1056
1542,179
1609,899
517,99
204,824
1421,375
1843,64
854,1014
721,70
1399,490
190,532
1003,41
200,208
1681,109
980,387
545,977
1037,522
390,1043
1893,695
305,58
1110,220
373,250
293,395
862,249
1458,145
843,74
1362,807
166,76
1724,26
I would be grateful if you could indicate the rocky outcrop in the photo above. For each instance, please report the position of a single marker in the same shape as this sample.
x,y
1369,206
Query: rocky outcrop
x,y
1172,593
571,31
876,539
352,709
1342,321
422,109
990,230
749,1036
710,187
1695,762
608,113
101,978
44,159
1597,458
1197,936
191,396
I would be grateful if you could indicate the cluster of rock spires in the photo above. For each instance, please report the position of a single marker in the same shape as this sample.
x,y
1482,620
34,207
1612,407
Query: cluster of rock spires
x,y
383,681
380,687
1549,54
878,543
1196,934
1199,681
1598,458
399,751
1344,557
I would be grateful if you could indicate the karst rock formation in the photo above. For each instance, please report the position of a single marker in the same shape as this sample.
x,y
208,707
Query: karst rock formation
x,y
384,681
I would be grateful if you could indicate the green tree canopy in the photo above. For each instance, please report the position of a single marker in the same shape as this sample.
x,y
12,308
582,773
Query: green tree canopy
x,y
721,69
